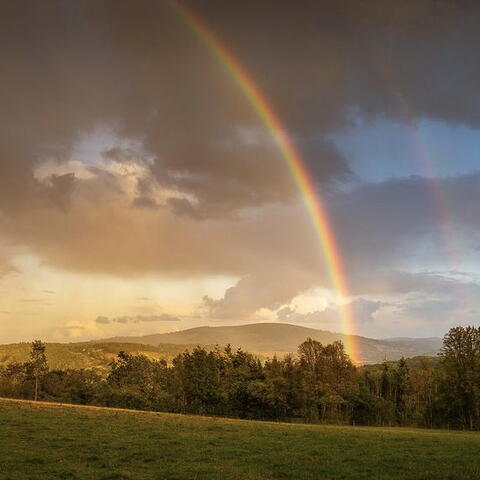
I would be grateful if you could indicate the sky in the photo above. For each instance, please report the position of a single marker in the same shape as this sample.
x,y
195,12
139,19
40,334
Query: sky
x,y
141,192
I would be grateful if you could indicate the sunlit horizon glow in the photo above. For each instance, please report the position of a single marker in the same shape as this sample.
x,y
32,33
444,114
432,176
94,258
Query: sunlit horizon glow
x,y
296,166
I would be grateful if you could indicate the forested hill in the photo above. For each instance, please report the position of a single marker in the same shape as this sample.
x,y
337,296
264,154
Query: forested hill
x,y
268,338
88,354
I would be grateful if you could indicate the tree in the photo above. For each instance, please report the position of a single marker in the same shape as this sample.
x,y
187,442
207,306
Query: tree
x,y
402,391
198,381
460,357
329,380
132,381
318,384
38,365
244,384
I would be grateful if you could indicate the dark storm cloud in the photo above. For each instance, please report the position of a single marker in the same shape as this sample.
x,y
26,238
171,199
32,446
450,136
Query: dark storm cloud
x,y
362,54
135,67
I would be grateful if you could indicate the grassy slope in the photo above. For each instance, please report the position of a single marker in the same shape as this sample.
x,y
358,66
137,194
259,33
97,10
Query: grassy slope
x,y
44,442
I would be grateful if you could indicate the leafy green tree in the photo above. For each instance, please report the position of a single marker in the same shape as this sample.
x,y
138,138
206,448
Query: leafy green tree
x,y
132,382
198,381
328,380
460,359
402,389
424,380
14,380
72,386
244,384
318,384
37,365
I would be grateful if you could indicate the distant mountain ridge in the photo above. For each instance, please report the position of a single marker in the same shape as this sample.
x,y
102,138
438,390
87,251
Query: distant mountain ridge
x,y
281,338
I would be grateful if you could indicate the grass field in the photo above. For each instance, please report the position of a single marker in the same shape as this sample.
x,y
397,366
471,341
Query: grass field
x,y
48,441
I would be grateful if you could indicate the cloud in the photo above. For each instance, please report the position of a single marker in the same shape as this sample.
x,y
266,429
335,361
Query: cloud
x,y
202,189
386,227
268,289
164,317
218,161
220,153
361,308
39,301
103,320
205,154
6,266
58,189
73,330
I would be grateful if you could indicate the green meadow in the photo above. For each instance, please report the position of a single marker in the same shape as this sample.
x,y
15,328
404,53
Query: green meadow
x,y
40,441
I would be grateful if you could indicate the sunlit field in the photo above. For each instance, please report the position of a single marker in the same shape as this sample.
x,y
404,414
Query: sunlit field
x,y
51,441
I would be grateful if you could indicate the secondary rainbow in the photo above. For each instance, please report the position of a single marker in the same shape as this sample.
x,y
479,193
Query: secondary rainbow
x,y
387,74
294,162
438,196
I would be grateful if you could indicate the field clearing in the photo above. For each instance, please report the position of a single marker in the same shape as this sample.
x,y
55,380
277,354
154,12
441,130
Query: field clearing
x,y
41,441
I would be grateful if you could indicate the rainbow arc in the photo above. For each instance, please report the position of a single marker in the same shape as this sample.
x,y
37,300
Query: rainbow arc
x,y
295,163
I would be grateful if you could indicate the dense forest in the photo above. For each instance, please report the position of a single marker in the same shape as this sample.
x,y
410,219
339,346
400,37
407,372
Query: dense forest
x,y
318,384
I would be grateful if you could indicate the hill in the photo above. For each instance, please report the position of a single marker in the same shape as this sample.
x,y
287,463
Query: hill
x,y
54,441
280,338
431,344
263,339
88,354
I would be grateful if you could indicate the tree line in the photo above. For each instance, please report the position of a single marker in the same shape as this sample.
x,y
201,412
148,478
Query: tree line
x,y
318,384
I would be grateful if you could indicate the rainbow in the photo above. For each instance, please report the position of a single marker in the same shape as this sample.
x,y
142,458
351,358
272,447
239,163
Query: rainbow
x,y
386,73
438,197
427,165
295,164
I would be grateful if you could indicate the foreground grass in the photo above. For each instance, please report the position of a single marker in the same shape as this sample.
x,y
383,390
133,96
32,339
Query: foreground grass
x,y
43,442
